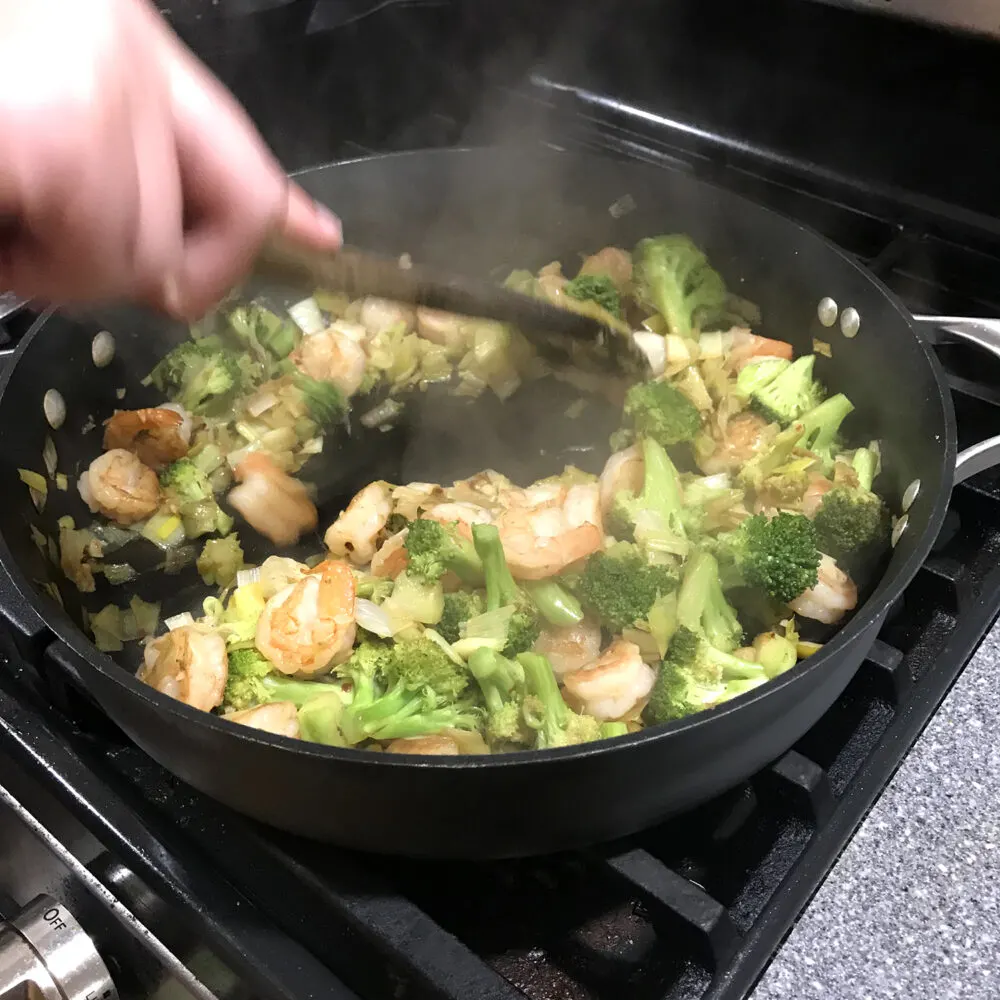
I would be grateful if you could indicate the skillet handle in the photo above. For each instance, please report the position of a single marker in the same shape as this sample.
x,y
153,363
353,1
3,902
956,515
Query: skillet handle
x,y
985,334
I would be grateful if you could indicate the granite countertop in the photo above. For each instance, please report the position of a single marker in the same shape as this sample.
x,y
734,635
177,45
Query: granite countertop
x,y
911,911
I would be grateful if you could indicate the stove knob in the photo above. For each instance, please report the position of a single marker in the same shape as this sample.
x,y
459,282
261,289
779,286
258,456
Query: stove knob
x,y
45,955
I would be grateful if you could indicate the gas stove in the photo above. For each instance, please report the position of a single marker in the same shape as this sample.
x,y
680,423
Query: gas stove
x,y
174,891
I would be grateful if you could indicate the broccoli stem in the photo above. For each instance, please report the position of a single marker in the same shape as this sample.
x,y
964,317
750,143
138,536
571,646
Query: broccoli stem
x,y
297,692
557,606
319,720
702,605
540,680
495,674
501,588
661,488
612,729
822,423
865,465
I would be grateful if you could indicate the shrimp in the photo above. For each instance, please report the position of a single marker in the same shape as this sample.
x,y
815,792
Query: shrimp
x,y
189,664
438,745
612,261
833,596
272,502
624,470
278,717
356,531
380,315
390,560
812,500
549,526
158,436
465,515
748,347
331,356
745,435
570,648
447,329
120,487
614,683
309,626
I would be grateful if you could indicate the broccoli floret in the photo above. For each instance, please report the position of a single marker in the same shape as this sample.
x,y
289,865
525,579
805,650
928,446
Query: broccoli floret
x,y
252,680
791,393
170,372
660,411
597,288
433,548
525,623
459,607
620,586
695,675
779,555
406,689
502,684
186,482
674,277
702,605
820,426
218,375
758,374
555,723
654,516
220,560
259,326
851,523
325,402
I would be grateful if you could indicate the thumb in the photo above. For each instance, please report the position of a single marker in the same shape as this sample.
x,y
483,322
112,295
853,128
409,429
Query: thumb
x,y
309,222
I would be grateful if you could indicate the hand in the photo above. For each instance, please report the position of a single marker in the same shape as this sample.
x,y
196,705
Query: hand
x,y
126,169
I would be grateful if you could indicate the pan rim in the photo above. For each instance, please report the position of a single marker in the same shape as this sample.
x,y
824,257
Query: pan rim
x,y
64,630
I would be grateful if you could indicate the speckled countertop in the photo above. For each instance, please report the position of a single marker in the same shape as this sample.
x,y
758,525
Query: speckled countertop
x,y
911,911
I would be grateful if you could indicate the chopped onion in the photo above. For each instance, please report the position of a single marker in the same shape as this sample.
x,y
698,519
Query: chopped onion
x,y
55,408
102,349
440,640
118,573
314,446
165,530
372,618
33,480
178,559
307,317
178,621
62,483
246,576
385,411
49,456
261,403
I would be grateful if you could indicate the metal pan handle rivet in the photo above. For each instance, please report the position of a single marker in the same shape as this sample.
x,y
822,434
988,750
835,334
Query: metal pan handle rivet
x,y
910,494
827,311
850,322
54,407
898,528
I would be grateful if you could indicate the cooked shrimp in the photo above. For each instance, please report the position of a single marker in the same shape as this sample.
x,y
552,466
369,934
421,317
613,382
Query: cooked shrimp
x,y
120,487
390,559
613,684
550,526
438,745
624,470
379,315
612,261
330,356
833,596
356,531
465,515
749,347
812,499
272,502
309,626
444,328
189,664
745,435
159,435
570,648
278,717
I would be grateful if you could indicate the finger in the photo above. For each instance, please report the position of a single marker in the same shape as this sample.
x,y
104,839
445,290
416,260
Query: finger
x,y
307,221
233,189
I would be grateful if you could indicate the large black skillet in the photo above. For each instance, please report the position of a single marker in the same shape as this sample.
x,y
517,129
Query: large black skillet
x,y
484,212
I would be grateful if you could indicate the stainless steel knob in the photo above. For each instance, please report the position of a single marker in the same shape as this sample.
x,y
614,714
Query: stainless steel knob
x,y
46,955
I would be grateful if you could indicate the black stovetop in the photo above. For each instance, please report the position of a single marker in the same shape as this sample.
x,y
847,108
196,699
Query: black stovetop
x,y
690,910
